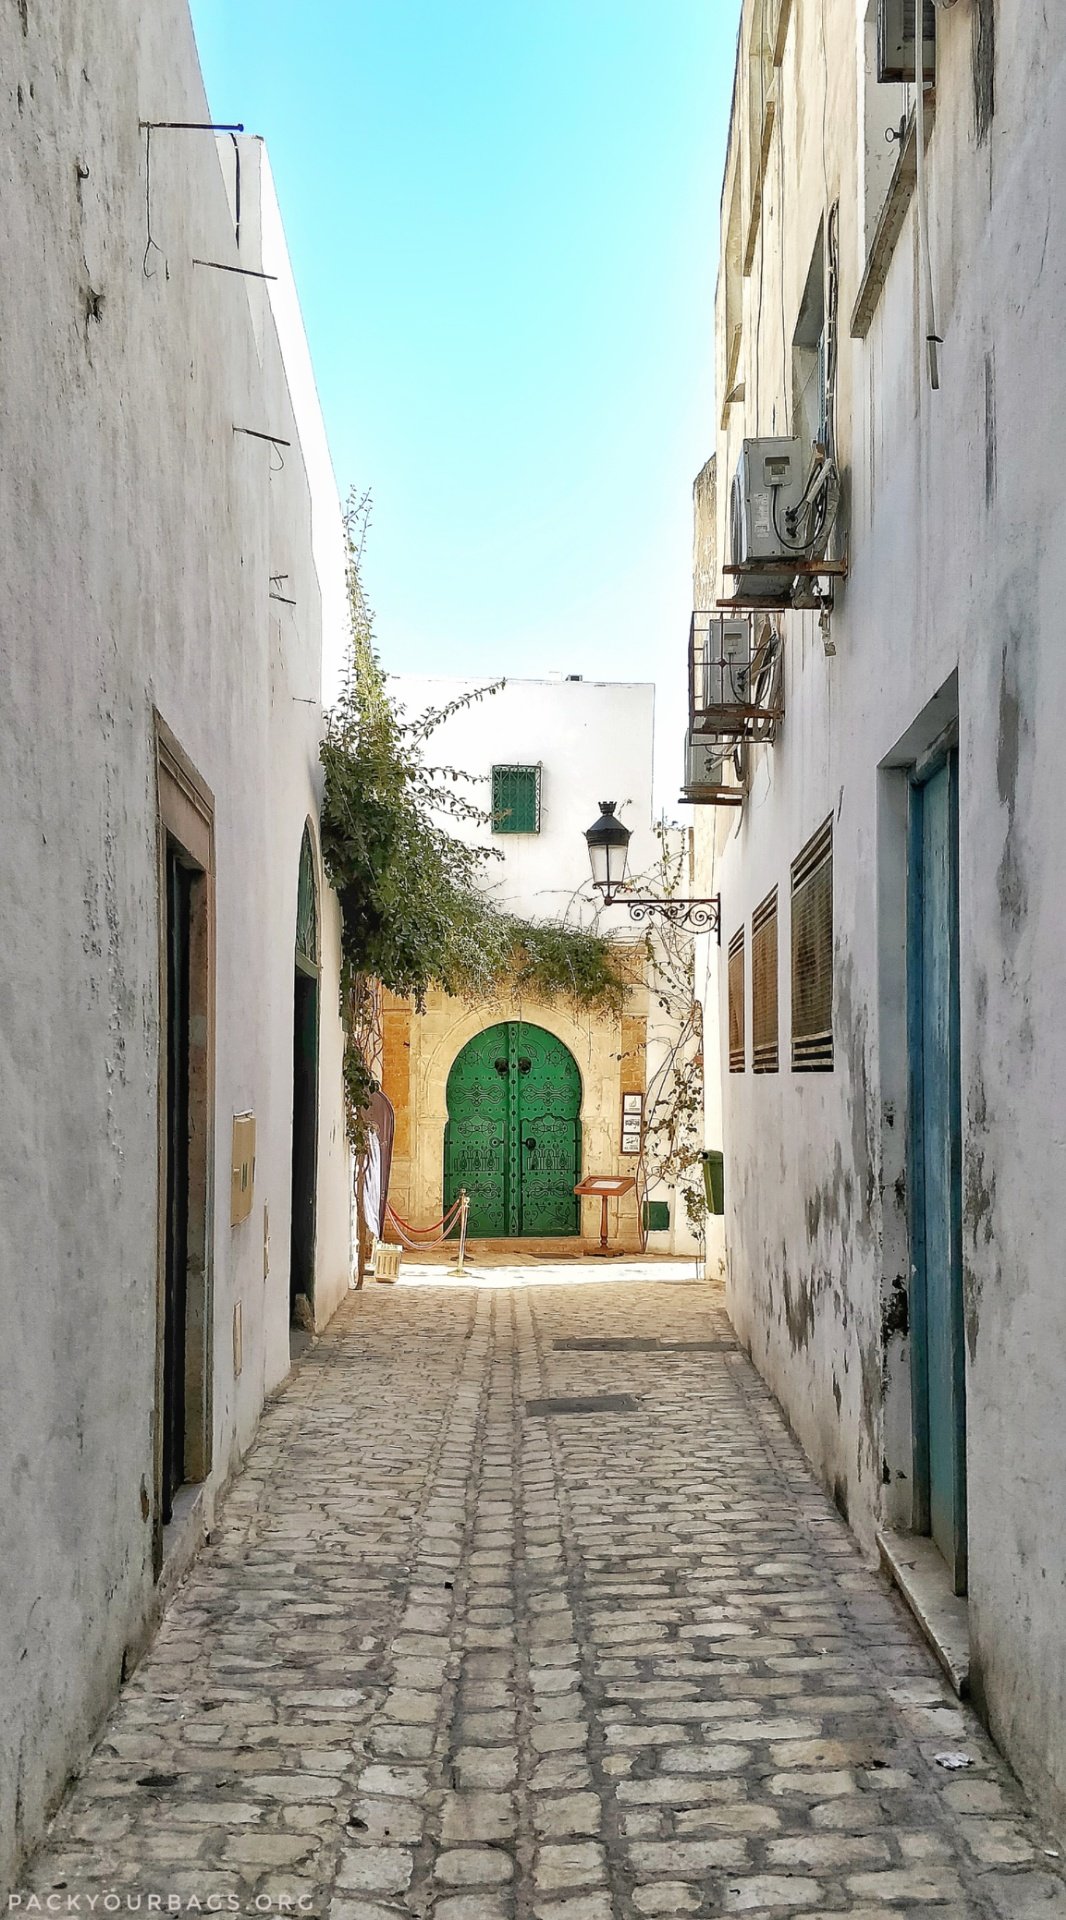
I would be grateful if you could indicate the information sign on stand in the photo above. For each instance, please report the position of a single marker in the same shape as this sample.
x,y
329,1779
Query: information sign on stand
x,y
605,1186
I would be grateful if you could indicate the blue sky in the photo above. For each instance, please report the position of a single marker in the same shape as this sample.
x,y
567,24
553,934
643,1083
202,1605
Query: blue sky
x,y
502,216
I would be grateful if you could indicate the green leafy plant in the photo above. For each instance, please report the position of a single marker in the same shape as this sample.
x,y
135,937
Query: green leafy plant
x,y
415,913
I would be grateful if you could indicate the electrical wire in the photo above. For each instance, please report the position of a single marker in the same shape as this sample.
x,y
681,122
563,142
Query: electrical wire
x,y
793,546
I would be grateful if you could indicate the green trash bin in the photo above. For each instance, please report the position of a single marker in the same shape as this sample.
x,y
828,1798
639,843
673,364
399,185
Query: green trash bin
x,y
714,1180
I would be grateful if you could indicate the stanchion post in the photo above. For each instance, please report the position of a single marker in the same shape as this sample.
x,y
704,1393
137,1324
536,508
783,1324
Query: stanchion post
x,y
459,1270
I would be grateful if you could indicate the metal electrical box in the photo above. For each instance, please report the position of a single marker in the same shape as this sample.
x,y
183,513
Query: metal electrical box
x,y
242,1163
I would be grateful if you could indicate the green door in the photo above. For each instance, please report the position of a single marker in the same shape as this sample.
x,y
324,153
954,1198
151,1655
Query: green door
x,y
513,1137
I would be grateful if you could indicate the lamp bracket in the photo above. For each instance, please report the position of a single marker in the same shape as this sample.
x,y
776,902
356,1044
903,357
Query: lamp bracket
x,y
691,916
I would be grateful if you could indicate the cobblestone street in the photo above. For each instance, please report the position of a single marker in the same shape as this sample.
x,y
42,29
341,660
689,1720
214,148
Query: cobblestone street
x,y
450,1654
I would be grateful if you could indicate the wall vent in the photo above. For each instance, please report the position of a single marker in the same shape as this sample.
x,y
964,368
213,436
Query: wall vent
x,y
764,1048
736,1002
812,954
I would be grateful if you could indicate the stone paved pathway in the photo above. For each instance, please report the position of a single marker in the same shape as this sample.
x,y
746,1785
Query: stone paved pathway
x,y
451,1656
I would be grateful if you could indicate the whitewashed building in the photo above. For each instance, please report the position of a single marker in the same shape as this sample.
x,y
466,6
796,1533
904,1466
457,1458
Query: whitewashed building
x,y
539,756
173,1163
891,289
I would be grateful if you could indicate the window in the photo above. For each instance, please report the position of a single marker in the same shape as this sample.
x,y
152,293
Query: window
x,y
812,954
736,1002
307,906
808,355
762,111
764,986
516,799
888,149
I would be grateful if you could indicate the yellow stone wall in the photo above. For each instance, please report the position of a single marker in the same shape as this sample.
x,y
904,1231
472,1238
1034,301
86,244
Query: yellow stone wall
x,y
419,1049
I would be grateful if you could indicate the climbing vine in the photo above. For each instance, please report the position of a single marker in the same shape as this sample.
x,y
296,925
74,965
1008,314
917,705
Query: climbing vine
x,y
414,914
673,1127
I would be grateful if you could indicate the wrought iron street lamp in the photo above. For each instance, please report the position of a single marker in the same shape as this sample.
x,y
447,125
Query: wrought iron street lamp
x,y
608,844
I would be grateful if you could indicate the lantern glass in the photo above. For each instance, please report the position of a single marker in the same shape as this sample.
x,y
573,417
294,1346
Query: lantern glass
x,y
608,845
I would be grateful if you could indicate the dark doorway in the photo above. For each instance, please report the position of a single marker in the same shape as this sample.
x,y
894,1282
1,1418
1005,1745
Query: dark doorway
x,y
179,885
304,1137
937,1346
304,1093
183,1419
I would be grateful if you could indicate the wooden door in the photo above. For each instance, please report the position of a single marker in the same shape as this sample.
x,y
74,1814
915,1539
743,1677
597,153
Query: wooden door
x,y
513,1137
179,880
304,1136
303,1214
549,1105
476,1136
937,1345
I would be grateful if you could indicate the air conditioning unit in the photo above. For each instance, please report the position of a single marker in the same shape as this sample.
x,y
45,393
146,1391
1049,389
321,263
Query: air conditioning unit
x,y
896,59
767,486
706,761
723,666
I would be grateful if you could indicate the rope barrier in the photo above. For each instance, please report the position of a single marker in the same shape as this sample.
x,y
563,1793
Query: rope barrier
x,y
444,1221
405,1230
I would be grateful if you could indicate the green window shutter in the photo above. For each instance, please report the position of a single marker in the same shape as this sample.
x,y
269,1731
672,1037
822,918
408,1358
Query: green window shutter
x,y
657,1216
516,799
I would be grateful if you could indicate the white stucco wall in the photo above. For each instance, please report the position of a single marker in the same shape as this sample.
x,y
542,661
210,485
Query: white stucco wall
x,y
956,524
593,740
138,540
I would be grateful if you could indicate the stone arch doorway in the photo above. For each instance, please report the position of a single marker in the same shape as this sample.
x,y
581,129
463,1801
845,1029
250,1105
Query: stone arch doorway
x,y
513,1137
304,1089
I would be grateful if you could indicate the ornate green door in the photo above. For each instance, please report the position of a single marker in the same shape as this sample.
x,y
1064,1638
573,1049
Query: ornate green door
x,y
513,1137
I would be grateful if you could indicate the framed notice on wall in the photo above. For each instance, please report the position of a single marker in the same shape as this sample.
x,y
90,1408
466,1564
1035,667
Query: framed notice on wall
x,y
632,1122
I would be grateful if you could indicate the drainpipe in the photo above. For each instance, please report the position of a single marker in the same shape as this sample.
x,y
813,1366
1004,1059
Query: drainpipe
x,y
932,339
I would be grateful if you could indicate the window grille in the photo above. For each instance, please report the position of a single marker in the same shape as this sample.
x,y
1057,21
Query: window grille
x,y
812,954
516,799
736,1002
764,1053
307,904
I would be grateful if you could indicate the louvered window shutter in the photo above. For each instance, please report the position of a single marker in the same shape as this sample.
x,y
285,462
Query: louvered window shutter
x,y
516,799
736,1002
812,954
764,1051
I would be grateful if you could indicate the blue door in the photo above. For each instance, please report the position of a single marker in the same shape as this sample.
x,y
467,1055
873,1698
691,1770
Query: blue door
x,y
937,1346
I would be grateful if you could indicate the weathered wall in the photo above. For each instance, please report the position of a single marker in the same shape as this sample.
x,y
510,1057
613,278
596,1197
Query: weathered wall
x,y
958,563
137,542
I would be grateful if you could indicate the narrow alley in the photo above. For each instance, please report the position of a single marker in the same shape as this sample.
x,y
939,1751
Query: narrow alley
x,y
526,1604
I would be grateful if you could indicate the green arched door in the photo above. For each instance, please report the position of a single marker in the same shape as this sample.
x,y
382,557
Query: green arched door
x,y
513,1137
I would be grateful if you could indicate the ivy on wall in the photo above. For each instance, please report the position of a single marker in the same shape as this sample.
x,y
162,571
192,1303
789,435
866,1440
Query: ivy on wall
x,y
414,914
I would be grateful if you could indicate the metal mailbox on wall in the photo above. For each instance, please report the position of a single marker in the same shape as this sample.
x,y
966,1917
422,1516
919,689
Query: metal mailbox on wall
x,y
242,1163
